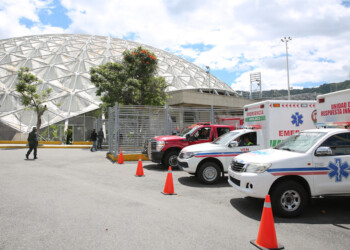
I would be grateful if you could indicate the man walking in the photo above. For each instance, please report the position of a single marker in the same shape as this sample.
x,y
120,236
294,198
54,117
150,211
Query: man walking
x,y
33,143
93,138
100,137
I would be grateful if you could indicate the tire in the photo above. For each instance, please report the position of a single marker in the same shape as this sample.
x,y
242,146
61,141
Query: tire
x,y
170,159
209,173
289,199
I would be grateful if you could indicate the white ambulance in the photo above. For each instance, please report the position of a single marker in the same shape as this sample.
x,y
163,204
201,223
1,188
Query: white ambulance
x,y
267,124
308,164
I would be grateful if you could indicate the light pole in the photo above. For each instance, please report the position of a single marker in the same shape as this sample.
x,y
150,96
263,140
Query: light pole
x,y
208,72
286,40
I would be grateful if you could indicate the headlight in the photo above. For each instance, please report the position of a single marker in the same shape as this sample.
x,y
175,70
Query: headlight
x,y
187,155
160,145
256,167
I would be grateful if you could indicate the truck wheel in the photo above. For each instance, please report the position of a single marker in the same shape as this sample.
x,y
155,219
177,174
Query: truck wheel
x,y
209,173
170,158
289,199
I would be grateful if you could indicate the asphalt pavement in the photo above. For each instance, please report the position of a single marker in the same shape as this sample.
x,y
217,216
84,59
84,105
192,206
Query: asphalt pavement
x,y
76,199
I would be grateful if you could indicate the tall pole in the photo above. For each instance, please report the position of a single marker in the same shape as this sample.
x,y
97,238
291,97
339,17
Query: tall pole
x,y
286,40
208,72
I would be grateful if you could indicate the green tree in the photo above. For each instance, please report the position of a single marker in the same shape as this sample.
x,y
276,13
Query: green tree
x,y
51,133
31,96
131,82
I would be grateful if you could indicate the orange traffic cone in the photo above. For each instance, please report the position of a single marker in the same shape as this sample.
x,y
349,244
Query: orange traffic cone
x,y
139,170
267,234
169,185
120,157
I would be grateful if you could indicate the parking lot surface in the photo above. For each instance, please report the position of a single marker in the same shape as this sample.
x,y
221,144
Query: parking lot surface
x,y
75,199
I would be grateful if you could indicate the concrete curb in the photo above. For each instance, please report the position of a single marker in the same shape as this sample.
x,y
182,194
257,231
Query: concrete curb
x,y
127,157
45,146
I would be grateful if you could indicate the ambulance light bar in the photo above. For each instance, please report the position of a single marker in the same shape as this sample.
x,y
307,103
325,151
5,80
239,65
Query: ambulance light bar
x,y
251,127
333,125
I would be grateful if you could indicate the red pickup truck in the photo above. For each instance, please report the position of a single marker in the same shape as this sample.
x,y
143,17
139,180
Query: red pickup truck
x,y
165,149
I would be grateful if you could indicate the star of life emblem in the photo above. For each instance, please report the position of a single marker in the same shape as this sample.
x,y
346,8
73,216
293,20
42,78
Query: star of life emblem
x,y
338,170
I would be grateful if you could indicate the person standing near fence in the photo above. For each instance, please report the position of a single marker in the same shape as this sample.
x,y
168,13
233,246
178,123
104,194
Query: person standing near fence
x,y
33,143
93,138
100,137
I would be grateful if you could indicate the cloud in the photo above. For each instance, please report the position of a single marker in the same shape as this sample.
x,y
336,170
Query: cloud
x,y
12,14
238,37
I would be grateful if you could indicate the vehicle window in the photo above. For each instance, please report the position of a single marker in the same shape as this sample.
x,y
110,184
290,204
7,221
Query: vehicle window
x,y
222,131
300,142
188,130
202,133
340,144
225,138
248,139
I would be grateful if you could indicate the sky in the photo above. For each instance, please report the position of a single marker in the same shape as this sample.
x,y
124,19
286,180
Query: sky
x,y
233,37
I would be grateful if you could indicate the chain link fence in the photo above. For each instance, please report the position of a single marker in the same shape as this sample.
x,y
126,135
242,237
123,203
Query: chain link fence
x,y
130,126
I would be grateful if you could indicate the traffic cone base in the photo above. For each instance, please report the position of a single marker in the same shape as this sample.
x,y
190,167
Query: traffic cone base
x,y
264,248
267,235
168,194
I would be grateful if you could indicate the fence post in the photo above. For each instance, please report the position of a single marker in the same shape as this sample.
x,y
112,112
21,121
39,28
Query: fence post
x,y
211,114
110,132
84,128
116,129
166,120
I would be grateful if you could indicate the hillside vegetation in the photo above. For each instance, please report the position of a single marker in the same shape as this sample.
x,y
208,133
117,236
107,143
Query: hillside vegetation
x,y
323,89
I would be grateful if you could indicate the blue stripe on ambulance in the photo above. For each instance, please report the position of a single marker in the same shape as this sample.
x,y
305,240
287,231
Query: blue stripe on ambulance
x,y
218,153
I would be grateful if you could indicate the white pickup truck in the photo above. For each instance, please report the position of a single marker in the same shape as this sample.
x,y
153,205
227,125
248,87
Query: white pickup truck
x,y
308,164
267,122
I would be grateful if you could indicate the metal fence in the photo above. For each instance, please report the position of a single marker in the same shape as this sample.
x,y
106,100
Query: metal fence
x,y
79,127
130,126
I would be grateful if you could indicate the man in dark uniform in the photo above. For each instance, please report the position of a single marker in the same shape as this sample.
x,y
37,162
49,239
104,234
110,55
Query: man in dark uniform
x,y
204,134
33,143
100,137
93,138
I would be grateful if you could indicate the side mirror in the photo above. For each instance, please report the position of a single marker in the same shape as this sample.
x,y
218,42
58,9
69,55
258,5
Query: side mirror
x,y
233,144
188,136
324,151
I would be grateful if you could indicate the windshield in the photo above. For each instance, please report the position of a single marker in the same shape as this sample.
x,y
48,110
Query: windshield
x,y
300,142
225,138
189,131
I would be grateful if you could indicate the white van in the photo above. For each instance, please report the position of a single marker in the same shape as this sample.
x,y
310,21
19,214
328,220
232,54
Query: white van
x,y
308,164
267,124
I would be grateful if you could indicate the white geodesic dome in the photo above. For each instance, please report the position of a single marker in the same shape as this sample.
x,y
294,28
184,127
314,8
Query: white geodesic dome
x,y
63,61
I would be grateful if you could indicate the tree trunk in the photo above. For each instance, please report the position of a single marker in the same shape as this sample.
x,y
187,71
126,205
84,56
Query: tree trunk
x,y
39,115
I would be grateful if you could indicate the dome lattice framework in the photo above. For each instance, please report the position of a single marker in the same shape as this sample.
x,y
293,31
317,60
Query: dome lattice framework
x,y
63,62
